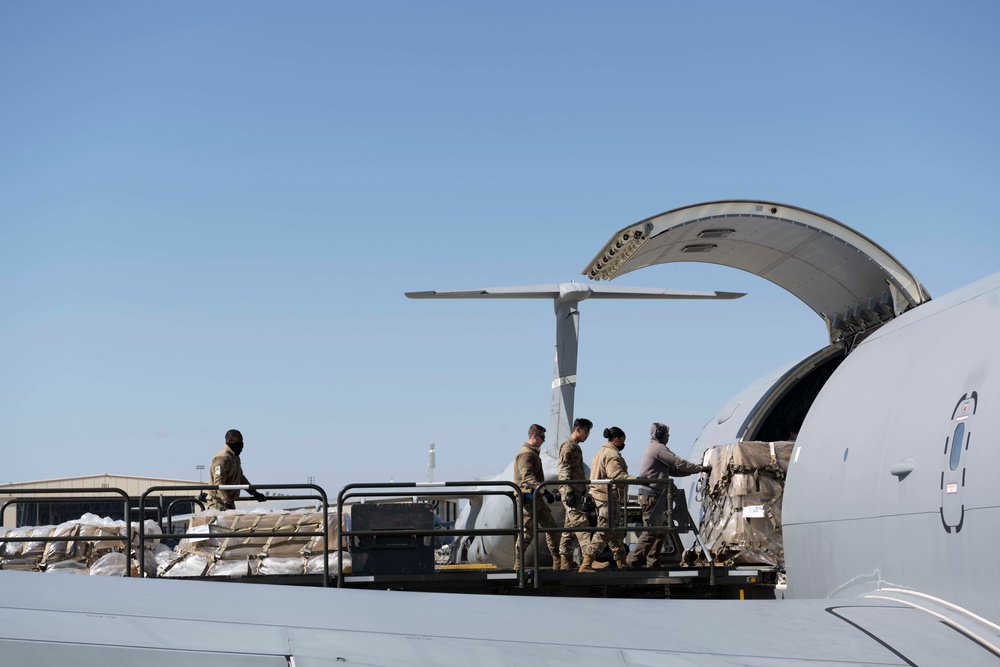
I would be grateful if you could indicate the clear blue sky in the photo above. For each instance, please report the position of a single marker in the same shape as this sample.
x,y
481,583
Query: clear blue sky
x,y
209,213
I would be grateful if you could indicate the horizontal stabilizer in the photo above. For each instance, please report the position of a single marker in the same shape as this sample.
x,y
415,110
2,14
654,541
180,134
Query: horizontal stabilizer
x,y
525,292
609,292
579,291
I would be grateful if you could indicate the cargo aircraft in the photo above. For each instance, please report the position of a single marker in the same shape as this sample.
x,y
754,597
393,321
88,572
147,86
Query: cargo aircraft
x,y
889,513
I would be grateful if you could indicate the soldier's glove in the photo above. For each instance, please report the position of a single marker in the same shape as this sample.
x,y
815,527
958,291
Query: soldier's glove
x,y
260,497
587,503
570,498
707,468
549,498
202,496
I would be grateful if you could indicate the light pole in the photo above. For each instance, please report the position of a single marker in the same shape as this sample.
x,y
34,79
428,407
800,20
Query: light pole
x,y
199,469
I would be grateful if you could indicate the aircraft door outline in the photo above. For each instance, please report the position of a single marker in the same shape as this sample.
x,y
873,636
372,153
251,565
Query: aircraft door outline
x,y
956,445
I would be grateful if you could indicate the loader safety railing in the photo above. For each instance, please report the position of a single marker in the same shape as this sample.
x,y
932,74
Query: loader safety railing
x,y
615,515
108,494
434,489
169,529
319,495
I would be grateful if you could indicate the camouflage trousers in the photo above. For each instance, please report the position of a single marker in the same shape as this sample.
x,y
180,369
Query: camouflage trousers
x,y
545,520
612,538
574,519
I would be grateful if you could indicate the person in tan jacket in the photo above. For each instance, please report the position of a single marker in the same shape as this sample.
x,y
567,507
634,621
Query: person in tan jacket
x,y
608,464
571,467
227,469
527,475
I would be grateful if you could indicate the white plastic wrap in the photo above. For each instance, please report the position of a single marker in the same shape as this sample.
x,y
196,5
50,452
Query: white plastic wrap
x,y
109,565
13,550
184,565
60,551
114,563
67,567
281,566
37,548
315,565
229,568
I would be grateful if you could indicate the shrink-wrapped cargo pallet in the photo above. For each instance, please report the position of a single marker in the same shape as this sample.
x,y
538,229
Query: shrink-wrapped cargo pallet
x,y
240,543
70,555
741,504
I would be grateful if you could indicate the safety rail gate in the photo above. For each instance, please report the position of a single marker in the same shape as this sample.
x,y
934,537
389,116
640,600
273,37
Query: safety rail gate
x,y
108,494
431,490
319,495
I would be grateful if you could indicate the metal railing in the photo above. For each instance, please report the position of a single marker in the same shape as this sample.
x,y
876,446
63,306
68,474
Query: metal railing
x,y
367,490
111,494
614,514
170,512
320,496
432,489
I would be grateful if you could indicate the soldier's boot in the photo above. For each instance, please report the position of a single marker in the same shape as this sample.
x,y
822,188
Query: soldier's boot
x,y
556,562
600,564
586,566
620,563
568,564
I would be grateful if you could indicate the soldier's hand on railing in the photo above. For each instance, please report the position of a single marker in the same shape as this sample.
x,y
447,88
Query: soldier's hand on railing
x,y
260,497
570,498
707,468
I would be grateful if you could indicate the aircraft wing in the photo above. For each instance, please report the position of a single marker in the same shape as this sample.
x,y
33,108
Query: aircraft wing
x,y
84,621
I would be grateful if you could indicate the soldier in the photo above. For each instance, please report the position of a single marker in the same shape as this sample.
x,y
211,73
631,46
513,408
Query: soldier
x,y
658,462
227,469
527,475
608,464
571,467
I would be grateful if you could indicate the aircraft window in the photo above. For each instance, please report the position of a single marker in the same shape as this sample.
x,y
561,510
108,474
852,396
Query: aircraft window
x,y
956,445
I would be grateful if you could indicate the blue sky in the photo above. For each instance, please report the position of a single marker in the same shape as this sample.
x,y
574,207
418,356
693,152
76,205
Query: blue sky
x,y
209,213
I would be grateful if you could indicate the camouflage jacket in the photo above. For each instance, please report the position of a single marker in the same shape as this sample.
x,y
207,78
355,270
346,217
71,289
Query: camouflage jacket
x,y
571,467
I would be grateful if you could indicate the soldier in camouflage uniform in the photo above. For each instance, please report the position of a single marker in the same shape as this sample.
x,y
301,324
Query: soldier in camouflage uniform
x,y
571,467
527,475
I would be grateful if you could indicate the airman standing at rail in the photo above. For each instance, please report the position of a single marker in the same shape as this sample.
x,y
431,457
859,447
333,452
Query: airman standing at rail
x,y
571,467
528,474
227,469
608,464
658,462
